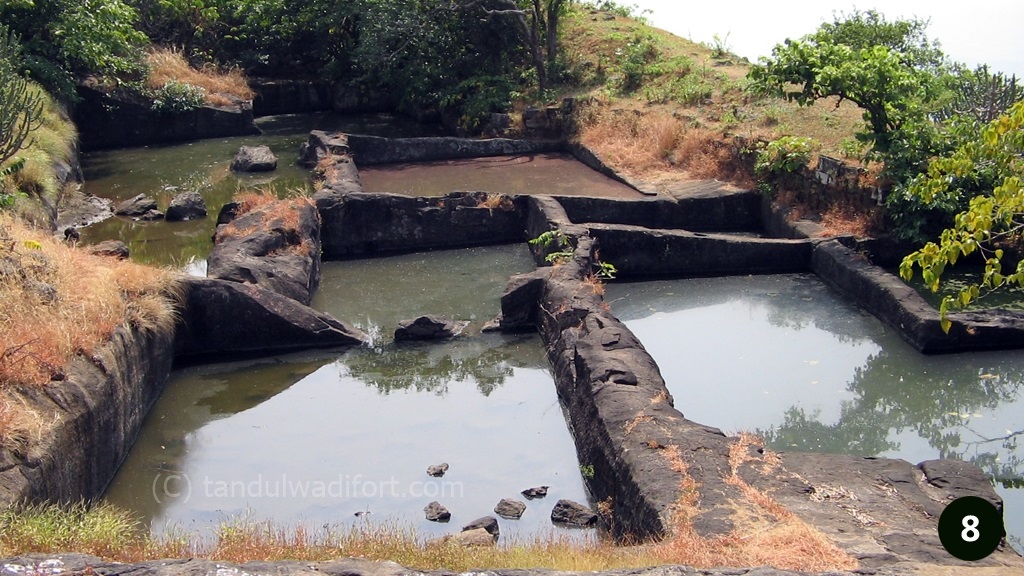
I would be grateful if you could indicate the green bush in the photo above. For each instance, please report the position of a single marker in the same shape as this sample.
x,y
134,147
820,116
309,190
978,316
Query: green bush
x,y
783,156
635,60
177,97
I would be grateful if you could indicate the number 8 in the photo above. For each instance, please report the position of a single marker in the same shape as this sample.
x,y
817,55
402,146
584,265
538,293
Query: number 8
x,y
970,532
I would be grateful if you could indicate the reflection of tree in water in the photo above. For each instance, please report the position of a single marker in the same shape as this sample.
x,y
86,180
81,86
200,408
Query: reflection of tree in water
x,y
487,361
933,396
794,301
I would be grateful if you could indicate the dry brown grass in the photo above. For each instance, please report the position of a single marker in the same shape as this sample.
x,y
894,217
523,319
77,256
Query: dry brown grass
x,y
283,213
59,301
222,87
658,145
495,201
841,219
767,535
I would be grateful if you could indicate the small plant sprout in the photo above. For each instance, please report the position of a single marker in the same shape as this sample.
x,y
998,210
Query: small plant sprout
x,y
557,241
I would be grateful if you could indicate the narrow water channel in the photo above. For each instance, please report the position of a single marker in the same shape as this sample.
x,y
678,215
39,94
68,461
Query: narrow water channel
x,y
787,358
312,439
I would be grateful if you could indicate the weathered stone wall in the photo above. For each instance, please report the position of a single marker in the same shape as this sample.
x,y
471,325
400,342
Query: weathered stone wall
x,y
900,306
641,252
371,150
95,413
278,96
362,224
721,211
104,122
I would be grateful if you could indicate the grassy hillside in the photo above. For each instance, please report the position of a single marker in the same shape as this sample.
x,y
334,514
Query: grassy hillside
x,y
688,93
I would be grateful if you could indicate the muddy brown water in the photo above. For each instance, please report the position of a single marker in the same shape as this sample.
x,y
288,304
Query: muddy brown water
x,y
786,357
204,166
555,174
312,439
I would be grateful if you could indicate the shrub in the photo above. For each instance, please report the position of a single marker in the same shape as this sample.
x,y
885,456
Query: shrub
x,y
784,155
177,97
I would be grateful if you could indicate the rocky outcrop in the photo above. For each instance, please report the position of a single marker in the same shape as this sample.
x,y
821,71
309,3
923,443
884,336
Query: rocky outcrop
x,y
94,415
186,206
429,328
112,248
254,159
105,121
275,246
371,150
535,493
488,524
220,319
437,470
519,301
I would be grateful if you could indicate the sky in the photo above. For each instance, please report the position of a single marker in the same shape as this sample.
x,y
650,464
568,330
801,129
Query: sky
x,y
982,32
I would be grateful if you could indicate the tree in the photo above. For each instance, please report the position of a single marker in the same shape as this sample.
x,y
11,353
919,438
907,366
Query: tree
x,y
63,39
21,109
538,22
992,225
888,69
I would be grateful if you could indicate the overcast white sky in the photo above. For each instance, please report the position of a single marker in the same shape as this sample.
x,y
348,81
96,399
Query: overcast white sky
x,y
990,32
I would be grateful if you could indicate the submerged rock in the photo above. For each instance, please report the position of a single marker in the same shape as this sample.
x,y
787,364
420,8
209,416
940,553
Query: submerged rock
x,y
429,328
254,159
435,512
186,206
573,514
437,470
137,206
535,493
510,509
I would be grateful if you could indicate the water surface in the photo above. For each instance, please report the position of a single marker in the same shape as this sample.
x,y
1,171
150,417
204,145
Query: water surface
x,y
204,166
555,174
786,357
312,439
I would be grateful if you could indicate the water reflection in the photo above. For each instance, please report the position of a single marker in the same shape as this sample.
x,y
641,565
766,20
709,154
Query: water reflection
x,y
811,372
486,361
314,439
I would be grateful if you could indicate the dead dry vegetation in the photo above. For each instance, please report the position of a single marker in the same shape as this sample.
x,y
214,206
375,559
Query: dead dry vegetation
x,y
58,302
222,87
687,114
275,213
765,533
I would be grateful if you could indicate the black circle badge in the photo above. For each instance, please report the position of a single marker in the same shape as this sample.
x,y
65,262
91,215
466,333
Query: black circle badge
x,y
970,528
